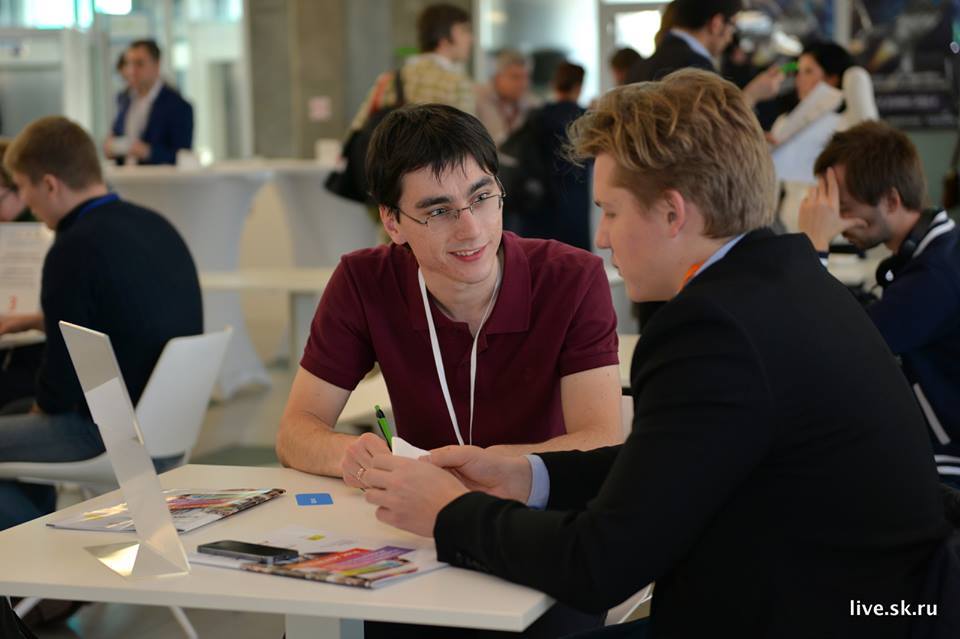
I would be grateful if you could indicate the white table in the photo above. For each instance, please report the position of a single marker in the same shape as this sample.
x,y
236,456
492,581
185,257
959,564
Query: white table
x,y
23,338
322,225
40,561
852,270
208,207
303,287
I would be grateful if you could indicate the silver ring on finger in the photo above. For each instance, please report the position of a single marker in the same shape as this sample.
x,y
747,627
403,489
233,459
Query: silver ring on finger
x,y
360,473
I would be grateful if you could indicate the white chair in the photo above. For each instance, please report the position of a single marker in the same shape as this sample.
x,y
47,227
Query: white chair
x,y
170,413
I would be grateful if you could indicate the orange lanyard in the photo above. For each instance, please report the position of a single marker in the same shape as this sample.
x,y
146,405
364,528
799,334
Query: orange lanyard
x,y
690,273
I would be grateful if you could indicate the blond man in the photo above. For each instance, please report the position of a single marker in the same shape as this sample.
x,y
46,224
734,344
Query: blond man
x,y
761,392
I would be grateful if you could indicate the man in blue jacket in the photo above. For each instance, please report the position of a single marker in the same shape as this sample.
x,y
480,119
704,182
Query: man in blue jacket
x,y
153,120
872,190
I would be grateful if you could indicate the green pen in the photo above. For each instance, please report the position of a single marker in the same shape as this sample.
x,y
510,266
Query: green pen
x,y
384,426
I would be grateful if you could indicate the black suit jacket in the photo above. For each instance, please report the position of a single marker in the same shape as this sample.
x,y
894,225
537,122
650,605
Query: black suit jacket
x,y
778,469
672,54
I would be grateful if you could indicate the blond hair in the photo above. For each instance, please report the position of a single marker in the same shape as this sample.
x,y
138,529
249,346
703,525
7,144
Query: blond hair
x,y
691,132
55,146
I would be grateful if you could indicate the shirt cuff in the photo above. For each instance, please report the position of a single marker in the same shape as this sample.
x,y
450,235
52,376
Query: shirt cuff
x,y
540,483
824,257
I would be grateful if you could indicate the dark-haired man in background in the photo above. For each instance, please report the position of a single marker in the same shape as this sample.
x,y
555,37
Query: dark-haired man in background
x,y
701,30
872,190
153,120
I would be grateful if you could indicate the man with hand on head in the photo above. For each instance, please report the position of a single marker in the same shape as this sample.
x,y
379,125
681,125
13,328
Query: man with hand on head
x,y
872,190
761,393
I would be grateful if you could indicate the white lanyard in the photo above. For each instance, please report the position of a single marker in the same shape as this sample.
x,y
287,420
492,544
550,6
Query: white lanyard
x,y
438,360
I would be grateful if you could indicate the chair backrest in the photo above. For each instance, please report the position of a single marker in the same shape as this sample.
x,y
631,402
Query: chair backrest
x,y
171,410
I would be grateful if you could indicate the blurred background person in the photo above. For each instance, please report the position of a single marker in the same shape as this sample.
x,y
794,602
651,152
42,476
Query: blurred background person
x,y
833,95
695,35
551,198
12,206
18,366
621,62
153,120
504,102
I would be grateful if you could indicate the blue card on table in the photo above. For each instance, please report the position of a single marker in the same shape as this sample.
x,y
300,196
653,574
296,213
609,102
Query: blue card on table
x,y
314,499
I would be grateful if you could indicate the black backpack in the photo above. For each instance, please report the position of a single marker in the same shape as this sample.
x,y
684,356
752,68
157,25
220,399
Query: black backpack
x,y
350,180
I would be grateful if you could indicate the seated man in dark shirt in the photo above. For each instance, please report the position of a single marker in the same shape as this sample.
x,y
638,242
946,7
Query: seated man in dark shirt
x,y
778,469
872,190
114,267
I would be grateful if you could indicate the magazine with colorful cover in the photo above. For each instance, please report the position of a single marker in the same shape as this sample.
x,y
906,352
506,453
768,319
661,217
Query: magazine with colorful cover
x,y
361,563
190,509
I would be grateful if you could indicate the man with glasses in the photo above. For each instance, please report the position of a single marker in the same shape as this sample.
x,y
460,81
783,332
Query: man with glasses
x,y
522,331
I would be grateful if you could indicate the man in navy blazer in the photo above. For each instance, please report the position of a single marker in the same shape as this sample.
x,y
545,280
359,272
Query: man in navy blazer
x,y
153,120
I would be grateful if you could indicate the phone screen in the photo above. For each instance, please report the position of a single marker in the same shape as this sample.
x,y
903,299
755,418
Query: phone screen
x,y
231,548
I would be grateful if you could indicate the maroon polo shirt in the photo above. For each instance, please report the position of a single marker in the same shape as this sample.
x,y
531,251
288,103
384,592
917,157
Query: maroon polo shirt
x,y
553,317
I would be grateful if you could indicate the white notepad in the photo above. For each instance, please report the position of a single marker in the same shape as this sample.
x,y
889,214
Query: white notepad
x,y
403,449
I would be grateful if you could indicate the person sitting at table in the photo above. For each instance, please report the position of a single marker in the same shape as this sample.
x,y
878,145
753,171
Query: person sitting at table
x,y
153,120
113,267
778,469
522,331
18,366
873,191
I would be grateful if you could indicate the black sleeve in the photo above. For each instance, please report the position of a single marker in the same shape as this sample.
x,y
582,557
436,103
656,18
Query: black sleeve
x,y
179,134
68,292
576,476
703,423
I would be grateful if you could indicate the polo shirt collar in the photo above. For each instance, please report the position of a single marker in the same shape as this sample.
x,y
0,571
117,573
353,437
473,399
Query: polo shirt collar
x,y
511,312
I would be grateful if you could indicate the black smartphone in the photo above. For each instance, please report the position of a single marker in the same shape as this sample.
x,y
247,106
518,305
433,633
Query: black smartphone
x,y
250,552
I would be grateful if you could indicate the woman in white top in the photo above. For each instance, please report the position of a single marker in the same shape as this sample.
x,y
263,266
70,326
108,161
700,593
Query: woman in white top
x,y
834,95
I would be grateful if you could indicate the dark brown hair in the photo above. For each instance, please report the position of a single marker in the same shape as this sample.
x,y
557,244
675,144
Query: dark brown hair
x,y
435,23
149,45
624,59
425,135
567,77
877,158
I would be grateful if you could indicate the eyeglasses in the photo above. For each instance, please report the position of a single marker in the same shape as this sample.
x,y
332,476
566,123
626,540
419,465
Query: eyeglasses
x,y
484,205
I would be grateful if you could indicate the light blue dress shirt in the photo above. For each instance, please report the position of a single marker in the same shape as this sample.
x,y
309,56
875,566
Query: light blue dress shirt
x,y
540,484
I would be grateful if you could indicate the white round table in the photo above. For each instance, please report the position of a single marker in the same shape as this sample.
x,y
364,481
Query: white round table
x,y
208,207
